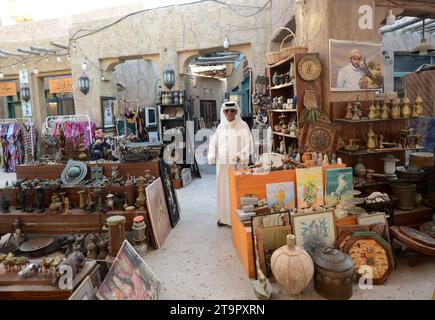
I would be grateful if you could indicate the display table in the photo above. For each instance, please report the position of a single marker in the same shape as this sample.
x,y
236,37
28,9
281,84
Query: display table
x,y
242,182
54,171
23,291
73,222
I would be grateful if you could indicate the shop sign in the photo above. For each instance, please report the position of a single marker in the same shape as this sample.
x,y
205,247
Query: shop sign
x,y
63,85
8,89
24,76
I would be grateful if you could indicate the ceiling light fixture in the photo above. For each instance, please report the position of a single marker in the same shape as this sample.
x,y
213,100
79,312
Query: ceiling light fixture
x,y
58,58
46,58
423,48
36,71
1,75
84,65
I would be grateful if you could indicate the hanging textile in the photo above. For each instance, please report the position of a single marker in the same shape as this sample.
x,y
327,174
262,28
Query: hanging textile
x,y
73,133
29,140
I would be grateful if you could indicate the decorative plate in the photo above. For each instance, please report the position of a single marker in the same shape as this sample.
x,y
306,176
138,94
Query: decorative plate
x,y
320,137
170,111
428,228
369,249
411,243
418,236
180,112
309,68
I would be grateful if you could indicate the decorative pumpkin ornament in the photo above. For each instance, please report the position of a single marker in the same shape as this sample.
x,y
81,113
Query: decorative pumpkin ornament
x,y
292,266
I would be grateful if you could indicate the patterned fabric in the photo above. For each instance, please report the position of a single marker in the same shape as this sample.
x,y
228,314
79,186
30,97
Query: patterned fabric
x,y
29,136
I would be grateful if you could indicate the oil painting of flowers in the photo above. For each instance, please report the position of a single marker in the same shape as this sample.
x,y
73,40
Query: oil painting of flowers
x,y
309,187
314,230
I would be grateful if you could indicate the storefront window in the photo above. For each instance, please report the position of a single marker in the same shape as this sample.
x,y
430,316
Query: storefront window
x,y
14,106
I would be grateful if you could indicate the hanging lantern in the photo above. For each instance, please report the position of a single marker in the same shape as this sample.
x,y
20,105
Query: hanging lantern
x,y
25,93
169,77
84,83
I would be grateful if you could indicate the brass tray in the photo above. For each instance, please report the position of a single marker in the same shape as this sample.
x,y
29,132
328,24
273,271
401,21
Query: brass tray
x,y
309,68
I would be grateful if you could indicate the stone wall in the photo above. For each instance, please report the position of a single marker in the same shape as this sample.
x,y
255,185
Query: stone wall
x,y
163,35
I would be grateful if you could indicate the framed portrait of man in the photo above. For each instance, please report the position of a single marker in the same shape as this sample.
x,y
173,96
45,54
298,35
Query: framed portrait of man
x,y
355,66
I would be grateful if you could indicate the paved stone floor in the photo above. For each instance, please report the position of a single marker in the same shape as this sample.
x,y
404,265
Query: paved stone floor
x,y
198,260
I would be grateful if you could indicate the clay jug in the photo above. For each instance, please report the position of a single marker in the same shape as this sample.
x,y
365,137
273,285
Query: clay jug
x,y
292,266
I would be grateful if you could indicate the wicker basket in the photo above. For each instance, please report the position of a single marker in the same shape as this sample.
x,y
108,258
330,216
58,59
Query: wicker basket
x,y
273,57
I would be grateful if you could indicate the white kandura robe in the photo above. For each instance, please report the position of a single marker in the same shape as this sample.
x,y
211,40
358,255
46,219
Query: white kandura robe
x,y
231,140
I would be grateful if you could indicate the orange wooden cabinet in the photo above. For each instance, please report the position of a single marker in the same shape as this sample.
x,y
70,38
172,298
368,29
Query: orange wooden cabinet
x,y
242,182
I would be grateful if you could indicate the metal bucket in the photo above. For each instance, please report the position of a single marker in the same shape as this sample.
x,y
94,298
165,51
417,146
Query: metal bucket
x,y
405,194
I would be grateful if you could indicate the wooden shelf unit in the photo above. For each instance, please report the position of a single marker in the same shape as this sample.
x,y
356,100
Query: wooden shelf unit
x,y
390,129
290,90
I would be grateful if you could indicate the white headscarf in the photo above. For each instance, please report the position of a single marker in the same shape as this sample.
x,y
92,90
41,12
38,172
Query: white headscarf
x,y
230,105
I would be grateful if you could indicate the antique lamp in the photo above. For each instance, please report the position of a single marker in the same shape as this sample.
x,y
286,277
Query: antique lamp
x,y
84,83
169,77
25,93
390,164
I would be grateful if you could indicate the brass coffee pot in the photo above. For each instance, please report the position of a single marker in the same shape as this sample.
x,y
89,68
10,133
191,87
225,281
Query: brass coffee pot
x,y
372,140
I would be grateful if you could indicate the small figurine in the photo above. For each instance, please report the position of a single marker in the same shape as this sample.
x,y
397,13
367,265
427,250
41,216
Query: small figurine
x,y
55,205
66,206
91,250
5,203
103,246
325,160
334,159
349,114
40,199
319,159
297,158
315,157
339,161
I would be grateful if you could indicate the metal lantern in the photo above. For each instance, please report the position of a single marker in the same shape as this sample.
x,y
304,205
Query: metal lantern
x,y
84,83
25,93
169,77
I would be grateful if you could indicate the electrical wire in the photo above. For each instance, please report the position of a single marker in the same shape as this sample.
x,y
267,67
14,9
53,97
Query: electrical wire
x,y
74,37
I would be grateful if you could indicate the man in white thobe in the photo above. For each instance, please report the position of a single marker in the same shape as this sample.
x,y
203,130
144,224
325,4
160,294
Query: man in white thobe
x,y
351,76
231,145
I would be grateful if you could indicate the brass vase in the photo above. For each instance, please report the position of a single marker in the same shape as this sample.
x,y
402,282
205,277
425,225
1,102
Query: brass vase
x,y
82,202
141,199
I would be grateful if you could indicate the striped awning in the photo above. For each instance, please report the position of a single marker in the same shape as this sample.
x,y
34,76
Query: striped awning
x,y
422,83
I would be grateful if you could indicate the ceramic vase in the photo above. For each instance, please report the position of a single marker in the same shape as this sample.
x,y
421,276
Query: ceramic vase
x,y
292,266
406,109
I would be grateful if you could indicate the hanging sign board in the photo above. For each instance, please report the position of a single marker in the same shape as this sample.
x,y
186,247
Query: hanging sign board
x,y
63,85
8,89
24,77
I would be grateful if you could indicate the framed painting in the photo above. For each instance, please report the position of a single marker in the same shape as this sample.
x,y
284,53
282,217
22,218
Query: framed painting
x,y
85,291
281,196
158,212
310,187
373,218
314,230
170,195
355,66
338,185
108,112
269,232
129,278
